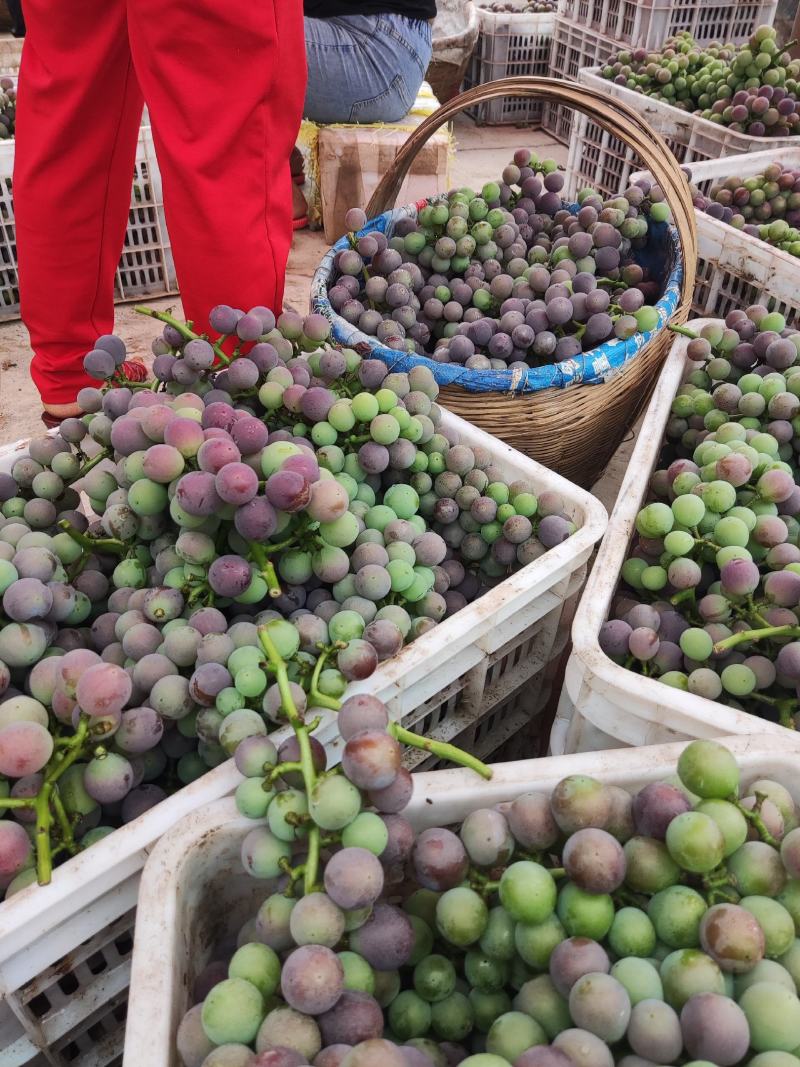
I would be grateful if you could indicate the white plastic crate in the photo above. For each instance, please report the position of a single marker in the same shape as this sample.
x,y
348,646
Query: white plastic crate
x,y
194,892
603,161
475,679
735,269
574,46
602,704
649,23
509,46
146,267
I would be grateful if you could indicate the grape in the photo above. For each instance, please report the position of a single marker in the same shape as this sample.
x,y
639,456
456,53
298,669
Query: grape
x,y
232,1012
371,760
655,806
353,878
594,861
356,1017
579,801
773,1016
312,979
583,1048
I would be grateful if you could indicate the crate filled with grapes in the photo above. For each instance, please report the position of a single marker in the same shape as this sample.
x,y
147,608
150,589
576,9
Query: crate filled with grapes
x,y
514,40
582,911
689,625
748,212
706,101
513,296
268,480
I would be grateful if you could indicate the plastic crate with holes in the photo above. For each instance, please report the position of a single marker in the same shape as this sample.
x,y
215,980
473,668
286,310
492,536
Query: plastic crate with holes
x,y
735,269
146,267
649,23
573,47
510,44
477,679
601,160
603,705
195,893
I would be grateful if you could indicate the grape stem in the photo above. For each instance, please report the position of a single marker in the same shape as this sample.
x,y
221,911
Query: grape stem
x,y
101,455
304,744
315,697
94,544
182,328
439,748
684,331
756,635
266,567
754,816
44,814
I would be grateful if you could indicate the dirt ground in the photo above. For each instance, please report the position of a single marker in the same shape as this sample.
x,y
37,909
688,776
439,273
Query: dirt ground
x,y
481,154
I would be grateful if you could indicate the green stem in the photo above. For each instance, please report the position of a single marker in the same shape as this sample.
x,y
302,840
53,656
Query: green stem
x,y
315,698
754,816
266,568
304,744
17,802
101,455
67,836
44,815
756,635
684,331
439,748
182,328
94,544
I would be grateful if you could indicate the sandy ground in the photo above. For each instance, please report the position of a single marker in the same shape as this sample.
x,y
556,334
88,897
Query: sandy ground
x,y
481,154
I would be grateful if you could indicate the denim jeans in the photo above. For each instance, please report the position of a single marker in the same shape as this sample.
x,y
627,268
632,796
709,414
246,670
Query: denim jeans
x,y
364,68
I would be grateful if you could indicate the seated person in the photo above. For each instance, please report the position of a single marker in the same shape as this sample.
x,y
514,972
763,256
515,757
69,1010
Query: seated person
x,y
366,62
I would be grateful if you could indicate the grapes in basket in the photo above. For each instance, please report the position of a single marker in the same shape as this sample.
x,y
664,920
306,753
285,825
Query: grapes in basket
x,y
507,278
752,89
518,7
710,594
585,928
284,483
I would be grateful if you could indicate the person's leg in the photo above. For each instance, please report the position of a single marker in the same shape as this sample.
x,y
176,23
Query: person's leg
x,y
78,112
224,86
364,68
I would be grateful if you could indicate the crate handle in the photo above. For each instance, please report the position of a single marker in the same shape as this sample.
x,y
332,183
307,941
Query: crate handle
x,y
611,114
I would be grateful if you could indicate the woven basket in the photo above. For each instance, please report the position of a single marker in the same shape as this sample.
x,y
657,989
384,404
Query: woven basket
x,y
455,34
570,416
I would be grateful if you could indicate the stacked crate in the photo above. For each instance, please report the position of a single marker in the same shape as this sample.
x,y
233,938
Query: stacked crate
x,y
588,32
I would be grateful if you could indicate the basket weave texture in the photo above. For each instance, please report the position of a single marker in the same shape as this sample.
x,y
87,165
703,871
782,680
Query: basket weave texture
x,y
570,416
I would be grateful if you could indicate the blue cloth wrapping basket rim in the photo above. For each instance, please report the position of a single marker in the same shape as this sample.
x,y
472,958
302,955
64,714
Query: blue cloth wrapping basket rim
x,y
591,368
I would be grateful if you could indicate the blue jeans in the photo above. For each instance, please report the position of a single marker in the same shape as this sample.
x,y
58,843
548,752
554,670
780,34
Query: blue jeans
x,y
364,68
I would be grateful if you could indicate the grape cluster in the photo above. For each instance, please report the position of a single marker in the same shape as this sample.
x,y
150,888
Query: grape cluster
x,y
520,7
766,205
586,928
752,89
8,108
281,484
505,279
711,589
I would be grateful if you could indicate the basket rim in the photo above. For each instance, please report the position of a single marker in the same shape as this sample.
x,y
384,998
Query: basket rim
x,y
589,368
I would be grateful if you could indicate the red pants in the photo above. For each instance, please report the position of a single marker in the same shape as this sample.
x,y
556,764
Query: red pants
x,y
224,82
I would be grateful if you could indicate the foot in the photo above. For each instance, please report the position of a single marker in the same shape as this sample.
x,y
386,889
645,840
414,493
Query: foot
x,y
63,411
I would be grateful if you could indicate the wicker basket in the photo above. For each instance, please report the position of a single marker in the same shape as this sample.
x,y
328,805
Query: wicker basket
x,y
455,34
570,416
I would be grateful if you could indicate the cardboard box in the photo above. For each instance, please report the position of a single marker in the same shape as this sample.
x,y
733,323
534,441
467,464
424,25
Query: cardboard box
x,y
343,163
353,159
